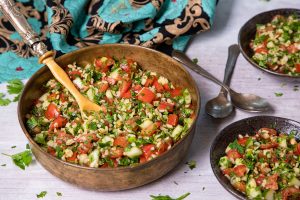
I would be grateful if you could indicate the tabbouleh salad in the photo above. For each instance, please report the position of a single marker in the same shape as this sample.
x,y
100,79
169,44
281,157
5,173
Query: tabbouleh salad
x,y
144,115
277,45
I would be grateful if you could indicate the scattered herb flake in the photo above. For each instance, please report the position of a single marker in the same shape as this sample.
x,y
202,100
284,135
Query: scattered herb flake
x,y
167,197
282,84
259,79
3,165
41,194
278,94
237,146
203,188
192,164
59,194
4,101
195,60
13,147
296,88
21,159
27,146
175,182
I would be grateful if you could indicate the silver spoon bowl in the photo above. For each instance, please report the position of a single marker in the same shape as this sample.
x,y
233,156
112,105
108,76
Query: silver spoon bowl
x,y
246,102
220,106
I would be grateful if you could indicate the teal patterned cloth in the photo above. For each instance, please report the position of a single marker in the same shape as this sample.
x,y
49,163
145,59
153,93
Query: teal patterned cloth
x,y
66,25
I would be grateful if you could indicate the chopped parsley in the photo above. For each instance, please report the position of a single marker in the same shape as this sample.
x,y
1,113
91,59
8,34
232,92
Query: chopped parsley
x,y
3,165
59,194
22,159
4,101
278,94
41,194
192,164
13,147
167,197
237,146
195,60
296,88
15,87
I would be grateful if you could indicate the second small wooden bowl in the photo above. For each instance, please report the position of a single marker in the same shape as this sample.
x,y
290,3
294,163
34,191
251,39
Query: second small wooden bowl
x,y
248,31
112,179
245,126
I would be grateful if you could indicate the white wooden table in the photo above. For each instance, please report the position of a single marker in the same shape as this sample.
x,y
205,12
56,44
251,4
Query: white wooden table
x,y
211,50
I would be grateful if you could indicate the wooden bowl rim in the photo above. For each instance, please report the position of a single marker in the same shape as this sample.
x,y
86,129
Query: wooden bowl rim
x,y
224,131
126,168
259,15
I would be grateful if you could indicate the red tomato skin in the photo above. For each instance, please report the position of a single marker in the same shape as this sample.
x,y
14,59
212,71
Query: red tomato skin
x,y
150,130
166,106
111,81
173,119
73,157
292,49
142,159
241,186
137,88
233,154
297,67
242,141
176,92
262,50
297,149
159,88
148,150
240,170
227,171
52,111
74,73
51,150
121,141
149,81
124,87
103,87
58,122
146,95
259,180
272,182
269,145
167,87
127,95
117,153
288,192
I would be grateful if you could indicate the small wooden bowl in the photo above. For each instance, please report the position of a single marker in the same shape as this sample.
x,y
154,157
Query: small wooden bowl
x,y
248,31
112,179
245,126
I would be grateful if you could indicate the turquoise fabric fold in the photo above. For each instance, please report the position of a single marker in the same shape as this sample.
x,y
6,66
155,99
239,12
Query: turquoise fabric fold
x,y
66,25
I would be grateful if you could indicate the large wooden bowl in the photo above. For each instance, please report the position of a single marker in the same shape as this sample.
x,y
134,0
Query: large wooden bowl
x,y
112,179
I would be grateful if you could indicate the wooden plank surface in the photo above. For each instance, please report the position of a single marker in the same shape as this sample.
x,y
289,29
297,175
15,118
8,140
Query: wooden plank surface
x,y
211,50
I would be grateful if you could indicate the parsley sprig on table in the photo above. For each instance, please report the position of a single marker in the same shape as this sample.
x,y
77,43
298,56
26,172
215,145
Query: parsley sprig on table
x,y
192,164
14,87
167,197
22,159
41,194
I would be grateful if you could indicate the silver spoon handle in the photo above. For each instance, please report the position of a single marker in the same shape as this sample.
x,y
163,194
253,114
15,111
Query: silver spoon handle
x,y
182,58
233,54
15,17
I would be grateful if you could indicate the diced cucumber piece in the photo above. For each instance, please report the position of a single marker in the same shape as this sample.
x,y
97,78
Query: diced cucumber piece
x,y
91,94
40,138
253,192
294,182
224,162
177,131
108,94
94,158
239,161
78,82
249,142
269,195
146,123
115,74
106,139
187,97
282,142
133,152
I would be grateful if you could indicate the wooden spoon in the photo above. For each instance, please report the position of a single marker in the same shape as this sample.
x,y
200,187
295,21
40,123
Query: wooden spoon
x,y
9,9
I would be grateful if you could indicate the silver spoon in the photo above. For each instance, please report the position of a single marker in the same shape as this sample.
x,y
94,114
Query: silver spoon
x,y
220,106
246,102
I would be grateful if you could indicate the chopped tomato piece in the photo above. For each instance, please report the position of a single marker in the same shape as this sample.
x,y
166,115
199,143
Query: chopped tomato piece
x,y
158,86
124,87
233,154
121,141
158,124
292,48
103,64
137,88
259,180
167,87
63,97
110,80
173,119
166,106
150,130
297,67
269,131
51,150
74,73
227,171
242,141
297,149
272,182
52,97
289,191
117,153
142,159
269,145
241,186
103,87
84,147
175,92
163,146
127,95
149,81
262,50
73,157
58,123
146,95
148,150
52,111
240,170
